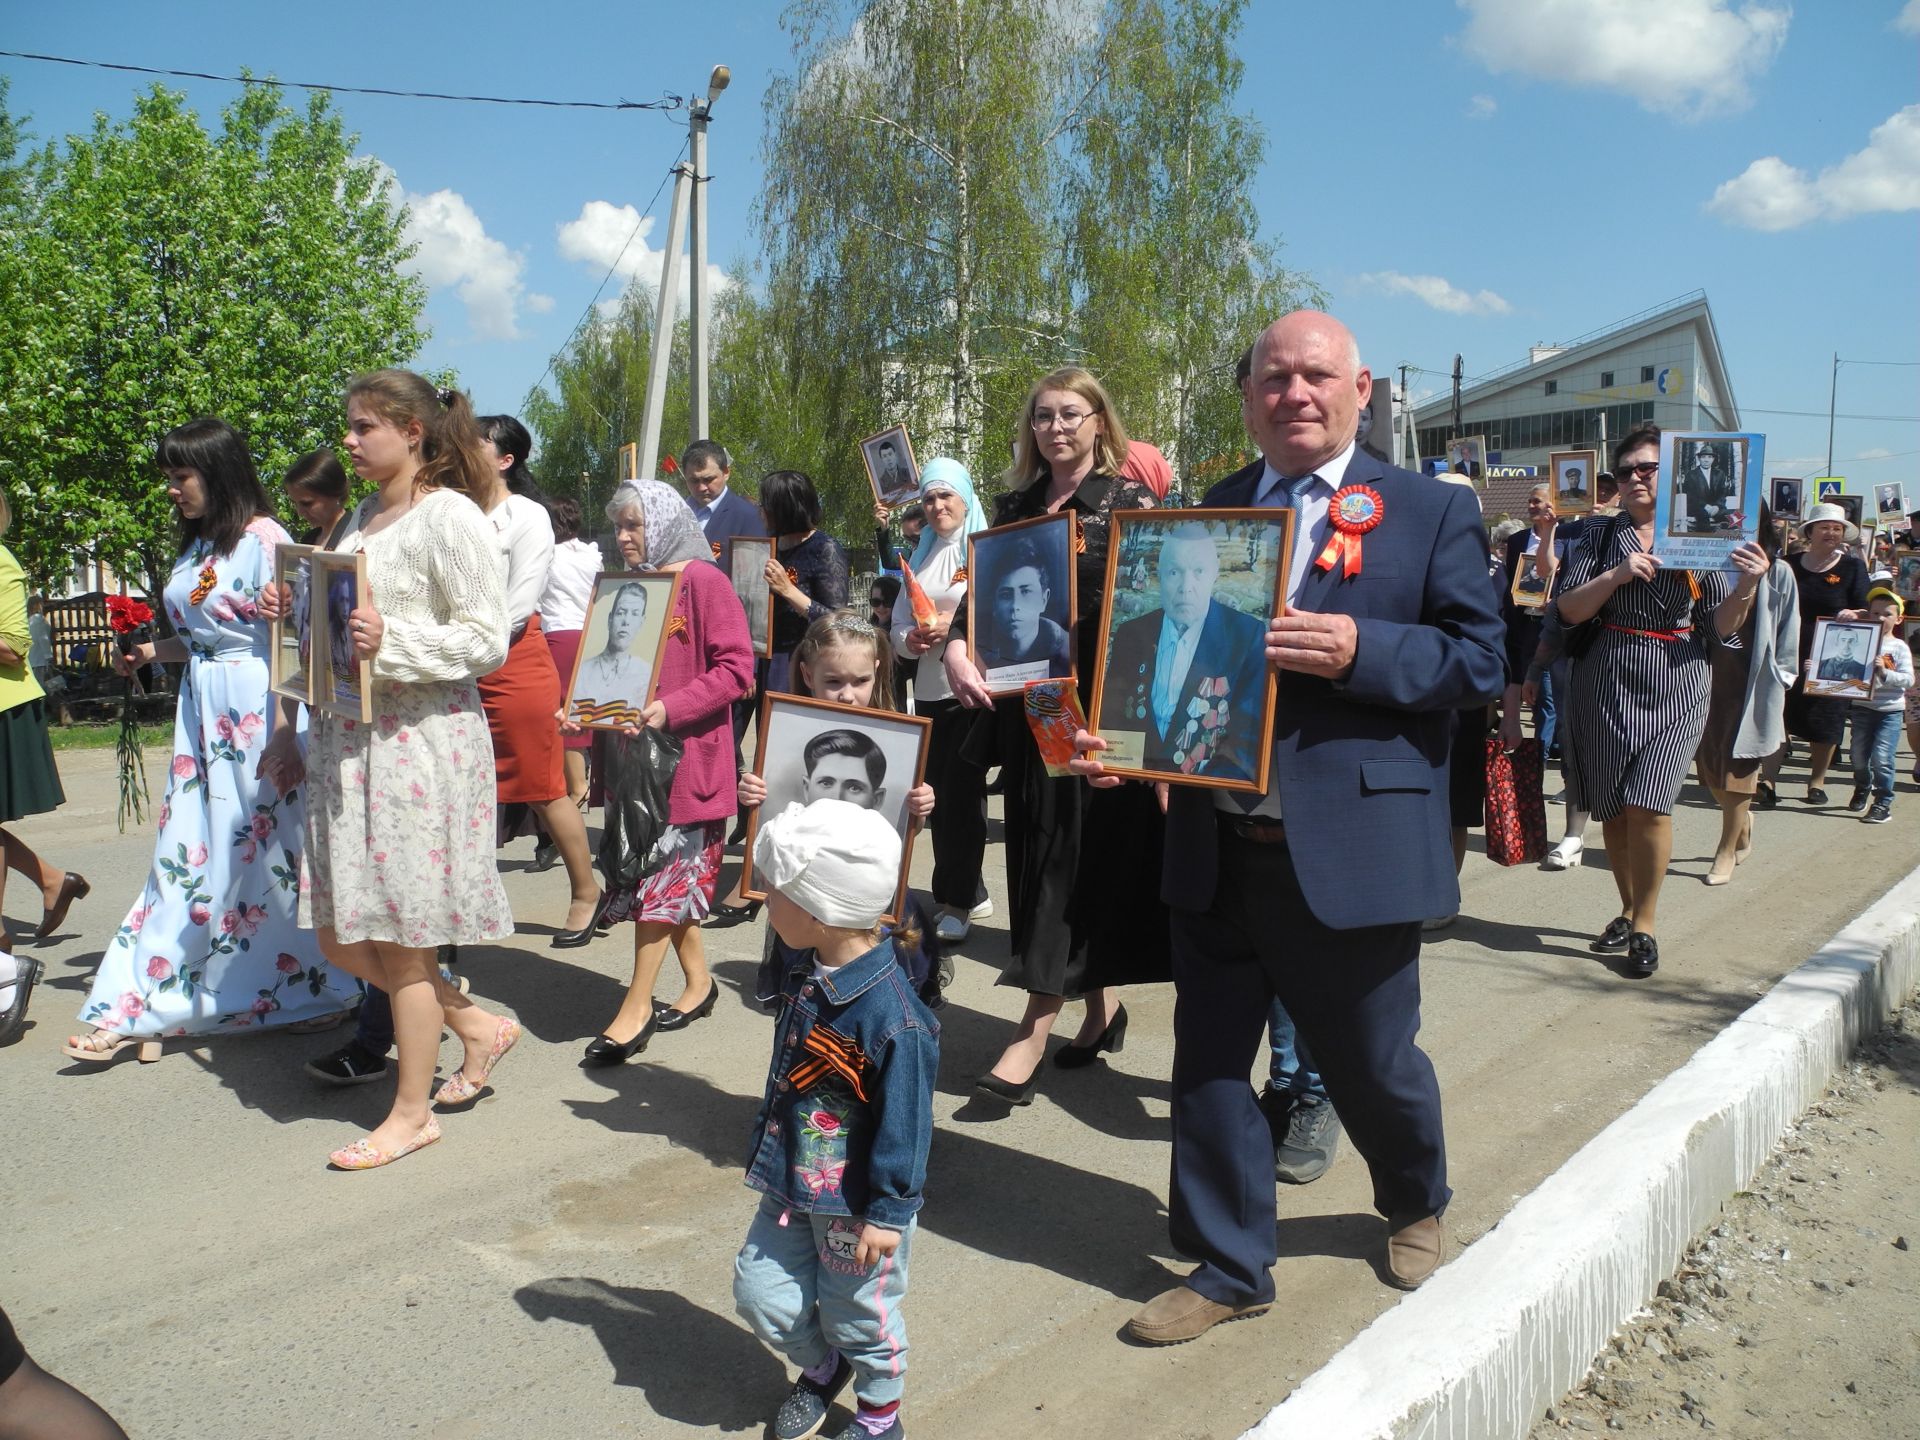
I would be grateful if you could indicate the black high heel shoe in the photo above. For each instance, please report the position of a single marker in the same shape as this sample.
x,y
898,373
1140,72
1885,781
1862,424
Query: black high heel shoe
x,y
13,1019
574,939
1005,1091
603,1053
672,1019
1113,1040
727,914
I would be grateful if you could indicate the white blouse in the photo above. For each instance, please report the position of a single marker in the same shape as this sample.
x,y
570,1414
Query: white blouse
x,y
563,605
936,577
525,534
435,580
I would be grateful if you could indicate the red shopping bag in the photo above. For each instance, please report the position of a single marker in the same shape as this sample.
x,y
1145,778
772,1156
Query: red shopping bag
x,y
1516,809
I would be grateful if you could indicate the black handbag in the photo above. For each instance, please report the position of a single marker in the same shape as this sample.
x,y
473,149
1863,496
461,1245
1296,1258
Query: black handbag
x,y
637,785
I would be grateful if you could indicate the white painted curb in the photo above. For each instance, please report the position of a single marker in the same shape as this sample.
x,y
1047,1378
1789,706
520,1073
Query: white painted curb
x,y
1505,1330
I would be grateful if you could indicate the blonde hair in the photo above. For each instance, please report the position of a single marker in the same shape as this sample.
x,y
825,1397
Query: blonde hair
x,y
450,453
1109,451
846,627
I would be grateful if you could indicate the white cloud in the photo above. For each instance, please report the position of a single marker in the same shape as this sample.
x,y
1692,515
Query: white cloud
x,y
599,238
1482,107
1885,176
1908,20
1682,57
1878,452
453,251
1440,294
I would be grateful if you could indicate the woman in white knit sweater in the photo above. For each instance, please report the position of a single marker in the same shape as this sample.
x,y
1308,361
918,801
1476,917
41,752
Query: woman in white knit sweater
x,y
400,813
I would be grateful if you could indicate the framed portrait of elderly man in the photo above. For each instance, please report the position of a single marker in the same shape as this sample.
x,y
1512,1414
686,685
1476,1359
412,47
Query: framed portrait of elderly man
x,y
617,667
1787,497
813,750
1855,507
1708,503
747,566
290,649
1022,601
1842,659
1182,690
1572,472
1529,588
342,681
1467,456
1890,505
890,466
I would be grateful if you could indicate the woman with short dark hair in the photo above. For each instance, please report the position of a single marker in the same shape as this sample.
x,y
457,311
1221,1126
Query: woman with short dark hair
x,y
807,572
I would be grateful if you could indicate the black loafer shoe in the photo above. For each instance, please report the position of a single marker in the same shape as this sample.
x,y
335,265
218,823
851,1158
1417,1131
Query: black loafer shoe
x,y
1816,797
603,1053
1614,937
1643,954
672,1019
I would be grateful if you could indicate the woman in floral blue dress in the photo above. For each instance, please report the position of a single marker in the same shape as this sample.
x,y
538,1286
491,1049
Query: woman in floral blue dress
x,y
211,944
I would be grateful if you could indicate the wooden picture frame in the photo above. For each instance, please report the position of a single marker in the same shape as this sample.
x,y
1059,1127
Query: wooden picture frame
x,y
1529,596
790,725
628,463
1837,646
747,567
1212,737
1573,476
1906,575
1855,507
290,638
342,682
995,560
1465,454
616,670
891,485
1890,504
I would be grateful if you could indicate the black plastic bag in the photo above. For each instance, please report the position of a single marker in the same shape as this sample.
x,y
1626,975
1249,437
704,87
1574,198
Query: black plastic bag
x,y
637,780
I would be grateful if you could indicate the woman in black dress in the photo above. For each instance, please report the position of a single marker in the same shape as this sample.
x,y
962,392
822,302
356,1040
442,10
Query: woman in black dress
x,y
1083,865
1639,702
807,571
1833,582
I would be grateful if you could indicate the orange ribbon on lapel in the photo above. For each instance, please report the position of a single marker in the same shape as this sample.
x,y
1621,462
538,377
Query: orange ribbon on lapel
x,y
826,1052
676,625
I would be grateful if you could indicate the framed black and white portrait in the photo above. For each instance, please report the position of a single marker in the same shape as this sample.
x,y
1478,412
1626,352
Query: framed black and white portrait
x,y
1855,507
1786,497
1890,504
1842,659
1529,590
814,750
617,667
747,566
1022,602
291,639
1182,690
1572,473
890,466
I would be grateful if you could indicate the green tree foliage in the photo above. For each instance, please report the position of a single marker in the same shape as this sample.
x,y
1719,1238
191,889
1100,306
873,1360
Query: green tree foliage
x,y
160,272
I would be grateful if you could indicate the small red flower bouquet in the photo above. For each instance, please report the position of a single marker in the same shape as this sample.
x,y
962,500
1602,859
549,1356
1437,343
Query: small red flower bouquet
x,y
125,617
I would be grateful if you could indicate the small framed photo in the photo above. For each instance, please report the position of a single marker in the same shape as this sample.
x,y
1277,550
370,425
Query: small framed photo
x,y
629,463
1786,498
617,668
1906,575
814,750
1467,455
1843,656
1572,472
1828,488
1856,508
1022,602
1529,586
1182,689
342,682
1890,504
890,466
1708,504
747,566
291,639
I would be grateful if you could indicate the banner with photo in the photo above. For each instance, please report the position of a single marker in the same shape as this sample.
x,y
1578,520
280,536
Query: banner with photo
x,y
1708,503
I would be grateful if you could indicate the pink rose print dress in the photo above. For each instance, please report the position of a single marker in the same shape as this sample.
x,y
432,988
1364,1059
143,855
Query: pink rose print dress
x,y
212,943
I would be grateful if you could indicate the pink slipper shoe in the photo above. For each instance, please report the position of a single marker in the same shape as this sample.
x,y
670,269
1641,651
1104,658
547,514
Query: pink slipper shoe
x,y
458,1090
362,1156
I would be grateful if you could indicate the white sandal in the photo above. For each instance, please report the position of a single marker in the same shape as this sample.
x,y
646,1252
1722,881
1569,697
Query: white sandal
x,y
1565,855
98,1047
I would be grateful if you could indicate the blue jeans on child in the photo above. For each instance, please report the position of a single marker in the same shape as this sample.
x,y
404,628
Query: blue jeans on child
x,y
1291,1070
799,1288
1876,740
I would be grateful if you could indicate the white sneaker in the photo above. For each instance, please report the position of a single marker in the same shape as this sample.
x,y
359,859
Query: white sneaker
x,y
1565,855
951,928
982,911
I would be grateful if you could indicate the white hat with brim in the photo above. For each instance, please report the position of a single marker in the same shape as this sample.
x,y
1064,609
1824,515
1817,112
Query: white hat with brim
x,y
1829,512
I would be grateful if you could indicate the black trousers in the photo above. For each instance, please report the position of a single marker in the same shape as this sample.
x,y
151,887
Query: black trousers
x,y
1355,998
959,818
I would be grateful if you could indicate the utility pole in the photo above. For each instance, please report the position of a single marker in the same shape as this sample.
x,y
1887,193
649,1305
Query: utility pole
x,y
689,193
1409,456
1833,394
1458,369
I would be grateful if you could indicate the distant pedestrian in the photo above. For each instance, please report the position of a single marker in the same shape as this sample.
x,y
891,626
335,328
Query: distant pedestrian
x,y
1876,719
1833,583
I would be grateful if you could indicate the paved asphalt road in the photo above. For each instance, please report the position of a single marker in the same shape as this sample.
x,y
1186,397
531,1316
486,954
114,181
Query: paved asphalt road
x,y
560,1264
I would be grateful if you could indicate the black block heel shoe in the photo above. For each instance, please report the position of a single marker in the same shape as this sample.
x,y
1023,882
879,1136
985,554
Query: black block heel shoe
x,y
602,1052
1113,1040
574,939
1005,1091
672,1019
723,914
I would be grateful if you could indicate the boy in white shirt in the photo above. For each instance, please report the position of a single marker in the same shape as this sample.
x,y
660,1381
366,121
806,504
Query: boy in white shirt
x,y
1876,719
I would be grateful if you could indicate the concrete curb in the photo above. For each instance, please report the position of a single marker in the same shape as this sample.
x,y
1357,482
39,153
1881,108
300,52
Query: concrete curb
x,y
1512,1324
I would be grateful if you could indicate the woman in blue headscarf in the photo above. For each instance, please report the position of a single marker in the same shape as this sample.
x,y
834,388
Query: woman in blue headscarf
x,y
939,566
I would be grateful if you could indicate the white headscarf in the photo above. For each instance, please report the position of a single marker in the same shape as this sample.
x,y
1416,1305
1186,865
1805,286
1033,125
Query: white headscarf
x,y
673,533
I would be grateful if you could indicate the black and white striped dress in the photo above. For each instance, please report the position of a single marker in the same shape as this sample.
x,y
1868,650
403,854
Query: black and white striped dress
x,y
1639,704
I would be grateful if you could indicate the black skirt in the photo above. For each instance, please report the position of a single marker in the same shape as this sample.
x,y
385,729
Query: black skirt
x,y
1817,719
29,780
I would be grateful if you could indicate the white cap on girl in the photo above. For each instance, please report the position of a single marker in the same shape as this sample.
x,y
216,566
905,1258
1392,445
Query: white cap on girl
x,y
838,862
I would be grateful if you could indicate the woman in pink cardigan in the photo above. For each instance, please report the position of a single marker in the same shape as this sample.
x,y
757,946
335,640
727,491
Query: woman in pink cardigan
x,y
708,666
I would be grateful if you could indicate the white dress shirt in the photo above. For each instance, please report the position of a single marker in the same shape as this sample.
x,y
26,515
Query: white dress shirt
x,y
563,604
1172,659
704,513
526,554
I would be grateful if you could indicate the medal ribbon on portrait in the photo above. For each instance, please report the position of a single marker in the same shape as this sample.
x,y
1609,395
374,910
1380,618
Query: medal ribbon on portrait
x,y
1354,511
604,712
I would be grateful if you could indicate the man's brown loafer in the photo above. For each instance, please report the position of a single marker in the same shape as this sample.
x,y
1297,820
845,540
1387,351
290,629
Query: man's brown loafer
x,y
1414,1251
1183,1314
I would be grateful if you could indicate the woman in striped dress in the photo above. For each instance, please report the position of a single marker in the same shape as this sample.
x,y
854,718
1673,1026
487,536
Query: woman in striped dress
x,y
1640,693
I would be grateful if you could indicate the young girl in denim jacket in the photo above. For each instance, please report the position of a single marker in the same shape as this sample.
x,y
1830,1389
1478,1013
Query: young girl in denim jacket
x,y
840,1144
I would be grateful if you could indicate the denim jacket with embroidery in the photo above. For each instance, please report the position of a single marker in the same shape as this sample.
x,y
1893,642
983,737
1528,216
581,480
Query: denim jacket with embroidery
x,y
847,1116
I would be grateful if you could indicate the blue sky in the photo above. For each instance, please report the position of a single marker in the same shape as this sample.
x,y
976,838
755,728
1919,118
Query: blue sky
x,y
1473,177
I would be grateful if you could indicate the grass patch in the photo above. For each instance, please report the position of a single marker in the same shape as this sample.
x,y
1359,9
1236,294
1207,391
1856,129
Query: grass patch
x,y
106,736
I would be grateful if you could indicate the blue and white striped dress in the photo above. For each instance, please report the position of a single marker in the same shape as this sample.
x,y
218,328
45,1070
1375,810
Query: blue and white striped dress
x,y
1639,704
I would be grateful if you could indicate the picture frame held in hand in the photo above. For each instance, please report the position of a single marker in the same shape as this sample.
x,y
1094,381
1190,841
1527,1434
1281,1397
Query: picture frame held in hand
x,y
290,638
616,670
342,681
747,568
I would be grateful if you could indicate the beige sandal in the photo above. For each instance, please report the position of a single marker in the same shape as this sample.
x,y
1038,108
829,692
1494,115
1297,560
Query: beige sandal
x,y
98,1047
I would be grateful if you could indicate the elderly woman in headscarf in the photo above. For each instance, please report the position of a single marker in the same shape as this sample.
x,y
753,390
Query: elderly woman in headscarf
x,y
939,566
707,666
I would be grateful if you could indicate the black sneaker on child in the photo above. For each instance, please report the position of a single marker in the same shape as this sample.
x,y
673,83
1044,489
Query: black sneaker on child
x,y
804,1410
1881,812
1858,800
856,1431
351,1064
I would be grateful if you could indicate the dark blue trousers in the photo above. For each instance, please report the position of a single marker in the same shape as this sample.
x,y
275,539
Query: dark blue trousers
x,y
1355,997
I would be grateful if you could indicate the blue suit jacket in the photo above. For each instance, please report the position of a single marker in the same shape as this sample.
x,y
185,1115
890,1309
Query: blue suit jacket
x,y
1232,647
1361,765
734,515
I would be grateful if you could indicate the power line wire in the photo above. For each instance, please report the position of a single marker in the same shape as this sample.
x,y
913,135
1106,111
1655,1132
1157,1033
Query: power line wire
x,y
668,101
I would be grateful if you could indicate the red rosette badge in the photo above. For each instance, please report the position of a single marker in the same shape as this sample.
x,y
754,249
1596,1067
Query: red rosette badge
x,y
1355,510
